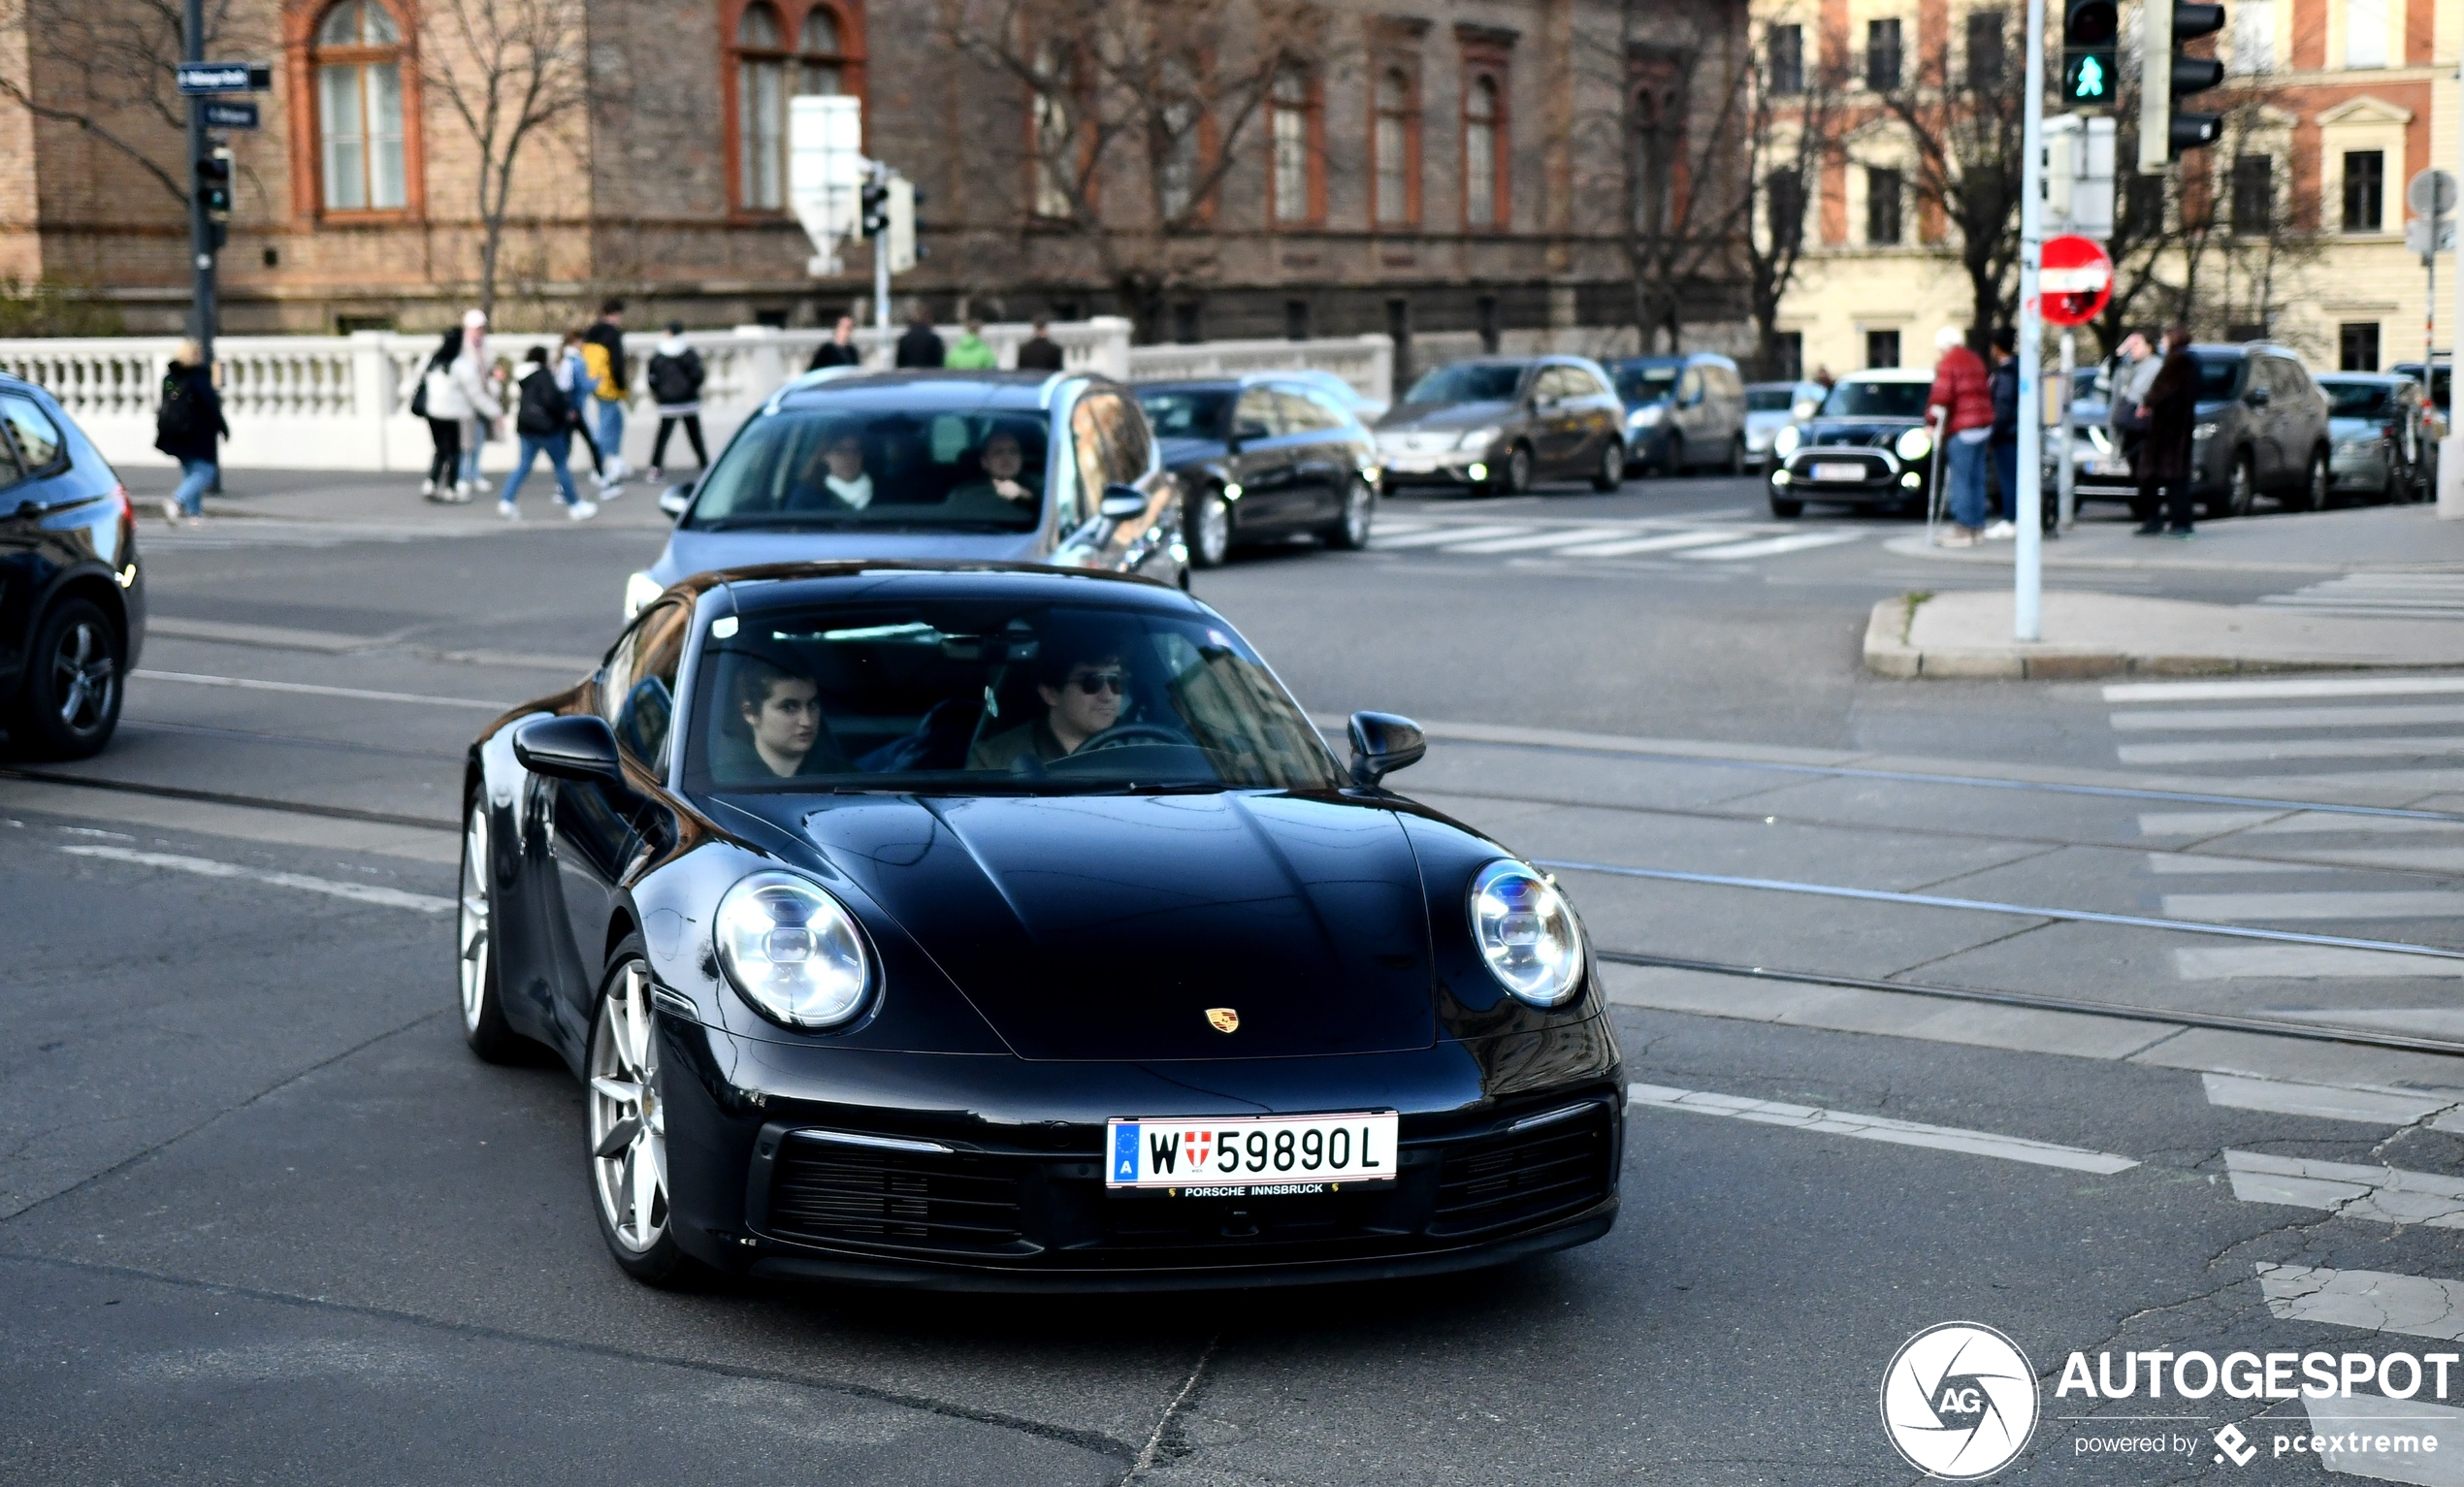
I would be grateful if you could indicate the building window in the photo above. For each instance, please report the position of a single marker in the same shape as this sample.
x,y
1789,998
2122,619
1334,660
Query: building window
x,y
1395,142
1296,320
2254,195
1055,134
1659,146
1882,348
2357,346
2365,191
768,72
1882,207
1788,356
1784,201
1881,55
1984,49
1484,316
1186,327
2143,207
2365,33
1787,59
2253,46
1483,162
1178,121
359,107
1288,119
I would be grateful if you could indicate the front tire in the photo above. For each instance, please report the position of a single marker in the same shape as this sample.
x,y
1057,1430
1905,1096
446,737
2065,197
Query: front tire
x,y
2240,490
2315,487
68,702
1518,472
1210,528
1350,532
1612,467
1787,511
1737,456
626,1126
483,1024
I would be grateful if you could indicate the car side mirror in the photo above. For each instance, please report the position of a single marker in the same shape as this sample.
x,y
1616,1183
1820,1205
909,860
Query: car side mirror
x,y
2257,396
572,747
1382,743
1123,502
675,498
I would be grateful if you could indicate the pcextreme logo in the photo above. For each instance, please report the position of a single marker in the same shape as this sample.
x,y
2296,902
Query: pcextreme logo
x,y
1959,1400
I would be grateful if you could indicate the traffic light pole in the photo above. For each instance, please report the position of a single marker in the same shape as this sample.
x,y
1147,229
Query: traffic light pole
x,y
200,226
2027,594
881,269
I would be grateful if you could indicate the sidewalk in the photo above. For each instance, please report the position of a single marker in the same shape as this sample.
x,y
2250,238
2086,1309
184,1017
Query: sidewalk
x,y
1967,635
2385,539
391,501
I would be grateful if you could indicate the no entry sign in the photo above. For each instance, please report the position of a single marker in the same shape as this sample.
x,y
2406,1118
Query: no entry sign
x,y
2075,280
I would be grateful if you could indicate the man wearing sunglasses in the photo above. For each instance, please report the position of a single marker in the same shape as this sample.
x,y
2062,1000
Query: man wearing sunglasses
x,y
1082,695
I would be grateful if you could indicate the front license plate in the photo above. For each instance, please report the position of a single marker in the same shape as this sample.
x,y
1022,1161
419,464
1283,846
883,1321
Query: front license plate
x,y
1839,472
1412,463
2108,467
1261,1156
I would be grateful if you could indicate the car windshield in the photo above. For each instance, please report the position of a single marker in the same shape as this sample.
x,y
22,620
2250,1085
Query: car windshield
x,y
1468,382
2356,400
1876,400
977,696
1648,384
1187,414
1765,400
2217,376
978,471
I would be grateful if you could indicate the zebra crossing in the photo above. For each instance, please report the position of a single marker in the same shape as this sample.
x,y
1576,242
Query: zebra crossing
x,y
2380,596
1687,541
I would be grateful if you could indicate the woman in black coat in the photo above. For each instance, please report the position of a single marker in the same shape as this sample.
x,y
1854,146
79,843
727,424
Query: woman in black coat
x,y
2164,455
189,426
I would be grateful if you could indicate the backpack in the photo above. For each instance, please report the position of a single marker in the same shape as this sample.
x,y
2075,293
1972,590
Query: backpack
x,y
176,422
595,364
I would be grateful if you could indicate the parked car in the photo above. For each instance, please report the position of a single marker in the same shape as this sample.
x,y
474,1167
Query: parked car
x,y
2442,416
72,591
1262,456
1866,445
2261,430
986,927
992,467
1682,412
1770,406
2099,470
1498,424
2379,423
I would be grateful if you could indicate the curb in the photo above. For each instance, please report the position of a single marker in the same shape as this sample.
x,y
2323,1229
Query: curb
x,y
1888,653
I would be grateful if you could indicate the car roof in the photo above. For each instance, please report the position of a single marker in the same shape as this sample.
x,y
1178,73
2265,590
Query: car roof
x,y
1888,374
1233,383
921,388
781,583
2374,378
1689,359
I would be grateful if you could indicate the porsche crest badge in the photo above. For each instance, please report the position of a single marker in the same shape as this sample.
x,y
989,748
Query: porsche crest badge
x,y
1224,1020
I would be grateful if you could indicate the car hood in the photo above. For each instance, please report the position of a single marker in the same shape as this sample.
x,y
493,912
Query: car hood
x,y
1106,927
1180,453
690,551
1404,417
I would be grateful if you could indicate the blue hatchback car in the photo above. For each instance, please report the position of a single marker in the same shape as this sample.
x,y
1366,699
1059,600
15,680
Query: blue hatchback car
x,y
72,596
990,467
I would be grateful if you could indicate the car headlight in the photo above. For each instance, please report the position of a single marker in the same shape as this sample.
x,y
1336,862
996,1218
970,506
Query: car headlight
x,y
1527,934
793,950
1478,439
2204,430
1784,443
641,590
1806,409
1645,416
1915,444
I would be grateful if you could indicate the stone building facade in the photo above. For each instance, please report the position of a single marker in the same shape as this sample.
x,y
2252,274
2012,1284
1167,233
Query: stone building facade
x,y
1499,132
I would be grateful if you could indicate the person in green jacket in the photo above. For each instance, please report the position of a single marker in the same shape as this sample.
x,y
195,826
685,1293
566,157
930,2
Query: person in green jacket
x,y
969,351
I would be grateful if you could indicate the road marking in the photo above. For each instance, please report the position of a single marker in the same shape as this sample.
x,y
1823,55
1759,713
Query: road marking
x,y
2301,822
2388,1195
2417,904
2413,1305
2193,866
1667,541
2300,962
207,867
1444,535
1772,547
1904,1133
2330,1102
2340,687
356,694
2288,717
2200,823
1533,539
2238,752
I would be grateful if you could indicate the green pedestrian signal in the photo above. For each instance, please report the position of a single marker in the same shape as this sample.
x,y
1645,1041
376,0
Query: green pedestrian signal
x,y
2091,77
2090,32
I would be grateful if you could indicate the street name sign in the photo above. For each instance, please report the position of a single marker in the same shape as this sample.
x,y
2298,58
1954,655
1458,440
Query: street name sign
x,y
220,115
2076,280
225,77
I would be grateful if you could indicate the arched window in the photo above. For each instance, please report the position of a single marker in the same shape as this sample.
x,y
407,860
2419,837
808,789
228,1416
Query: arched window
x,y
1482,202
768,73
1056,142
1396,142
1178,123
358,57
821,56
1288,109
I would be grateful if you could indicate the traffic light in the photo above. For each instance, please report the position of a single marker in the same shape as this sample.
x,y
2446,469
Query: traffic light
x,y
2166,75
876,209
213,183
2089,77
900,243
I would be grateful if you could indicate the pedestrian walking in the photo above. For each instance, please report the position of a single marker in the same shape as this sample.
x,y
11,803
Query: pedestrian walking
x,y
676,376
1964,408
2164,457
473,377
544,426
2002,385
436,402
971,353
919,346
603,353
1038,352
840,349
573,381
189,427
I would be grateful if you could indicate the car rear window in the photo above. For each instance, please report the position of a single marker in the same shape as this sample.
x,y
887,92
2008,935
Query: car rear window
x,y
1768,399
2357,399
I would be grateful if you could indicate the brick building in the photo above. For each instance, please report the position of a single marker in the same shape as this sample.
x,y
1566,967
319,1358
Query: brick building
x,y
1462,168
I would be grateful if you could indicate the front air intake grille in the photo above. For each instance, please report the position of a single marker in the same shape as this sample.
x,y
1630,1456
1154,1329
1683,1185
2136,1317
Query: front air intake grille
x,y
948,1201
1520,1178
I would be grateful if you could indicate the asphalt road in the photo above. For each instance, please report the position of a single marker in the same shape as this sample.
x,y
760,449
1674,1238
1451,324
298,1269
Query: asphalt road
x,y
263,1219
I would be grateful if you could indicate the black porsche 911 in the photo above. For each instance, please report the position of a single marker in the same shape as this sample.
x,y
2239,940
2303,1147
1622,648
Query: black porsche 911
x,y
1004,927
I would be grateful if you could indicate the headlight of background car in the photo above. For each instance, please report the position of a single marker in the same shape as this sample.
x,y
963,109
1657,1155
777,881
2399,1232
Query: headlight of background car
x,y
1915,444
2204,430
1784,443
1478,439
1526,933
1645,416
641,590
793,950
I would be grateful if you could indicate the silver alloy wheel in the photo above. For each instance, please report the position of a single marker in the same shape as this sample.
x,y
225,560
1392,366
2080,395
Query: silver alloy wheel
x,y
472,918
2319,483
1518,471
83,677
1358,505
1215,528
628,1129
2237,500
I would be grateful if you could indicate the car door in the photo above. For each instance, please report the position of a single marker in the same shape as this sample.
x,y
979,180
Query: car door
x,y
1267,466
1315,430
1603,417
2268,424
1685,420
28,555
1556,419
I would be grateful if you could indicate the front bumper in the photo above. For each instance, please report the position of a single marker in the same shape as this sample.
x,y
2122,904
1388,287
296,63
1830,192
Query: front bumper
x,y
1819,473
986,1173
1452,466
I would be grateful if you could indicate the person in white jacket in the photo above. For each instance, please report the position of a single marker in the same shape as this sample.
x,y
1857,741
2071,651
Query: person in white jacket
x,y
444,407
472,377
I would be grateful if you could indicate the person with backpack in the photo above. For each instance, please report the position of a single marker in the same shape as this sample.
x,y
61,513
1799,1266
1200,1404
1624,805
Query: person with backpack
x,y
545,424
189,426
572,379
676,374
603,354
442,405
473,376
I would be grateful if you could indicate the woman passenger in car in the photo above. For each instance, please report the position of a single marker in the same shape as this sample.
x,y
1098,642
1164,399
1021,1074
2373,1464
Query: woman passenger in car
x,y
835,473
782,732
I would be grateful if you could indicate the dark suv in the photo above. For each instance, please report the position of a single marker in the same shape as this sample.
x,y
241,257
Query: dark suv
x,y
2261,430
71,596
1263,456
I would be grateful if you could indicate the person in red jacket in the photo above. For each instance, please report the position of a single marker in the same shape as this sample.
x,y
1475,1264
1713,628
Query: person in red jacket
x,y
1963,407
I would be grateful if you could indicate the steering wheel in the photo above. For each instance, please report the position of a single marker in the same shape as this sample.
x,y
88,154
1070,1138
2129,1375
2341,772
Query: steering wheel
x,y
1133,732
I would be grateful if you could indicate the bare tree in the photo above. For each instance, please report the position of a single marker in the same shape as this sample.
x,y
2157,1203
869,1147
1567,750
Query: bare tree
x,y
1137,112
1792,128
509,69
1960,111
106,69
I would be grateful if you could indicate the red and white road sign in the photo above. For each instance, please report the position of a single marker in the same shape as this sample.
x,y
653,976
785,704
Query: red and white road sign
x,y
2075,282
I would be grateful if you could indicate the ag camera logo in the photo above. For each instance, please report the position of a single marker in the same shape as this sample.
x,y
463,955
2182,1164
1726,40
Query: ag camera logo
x,y
1959,1402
